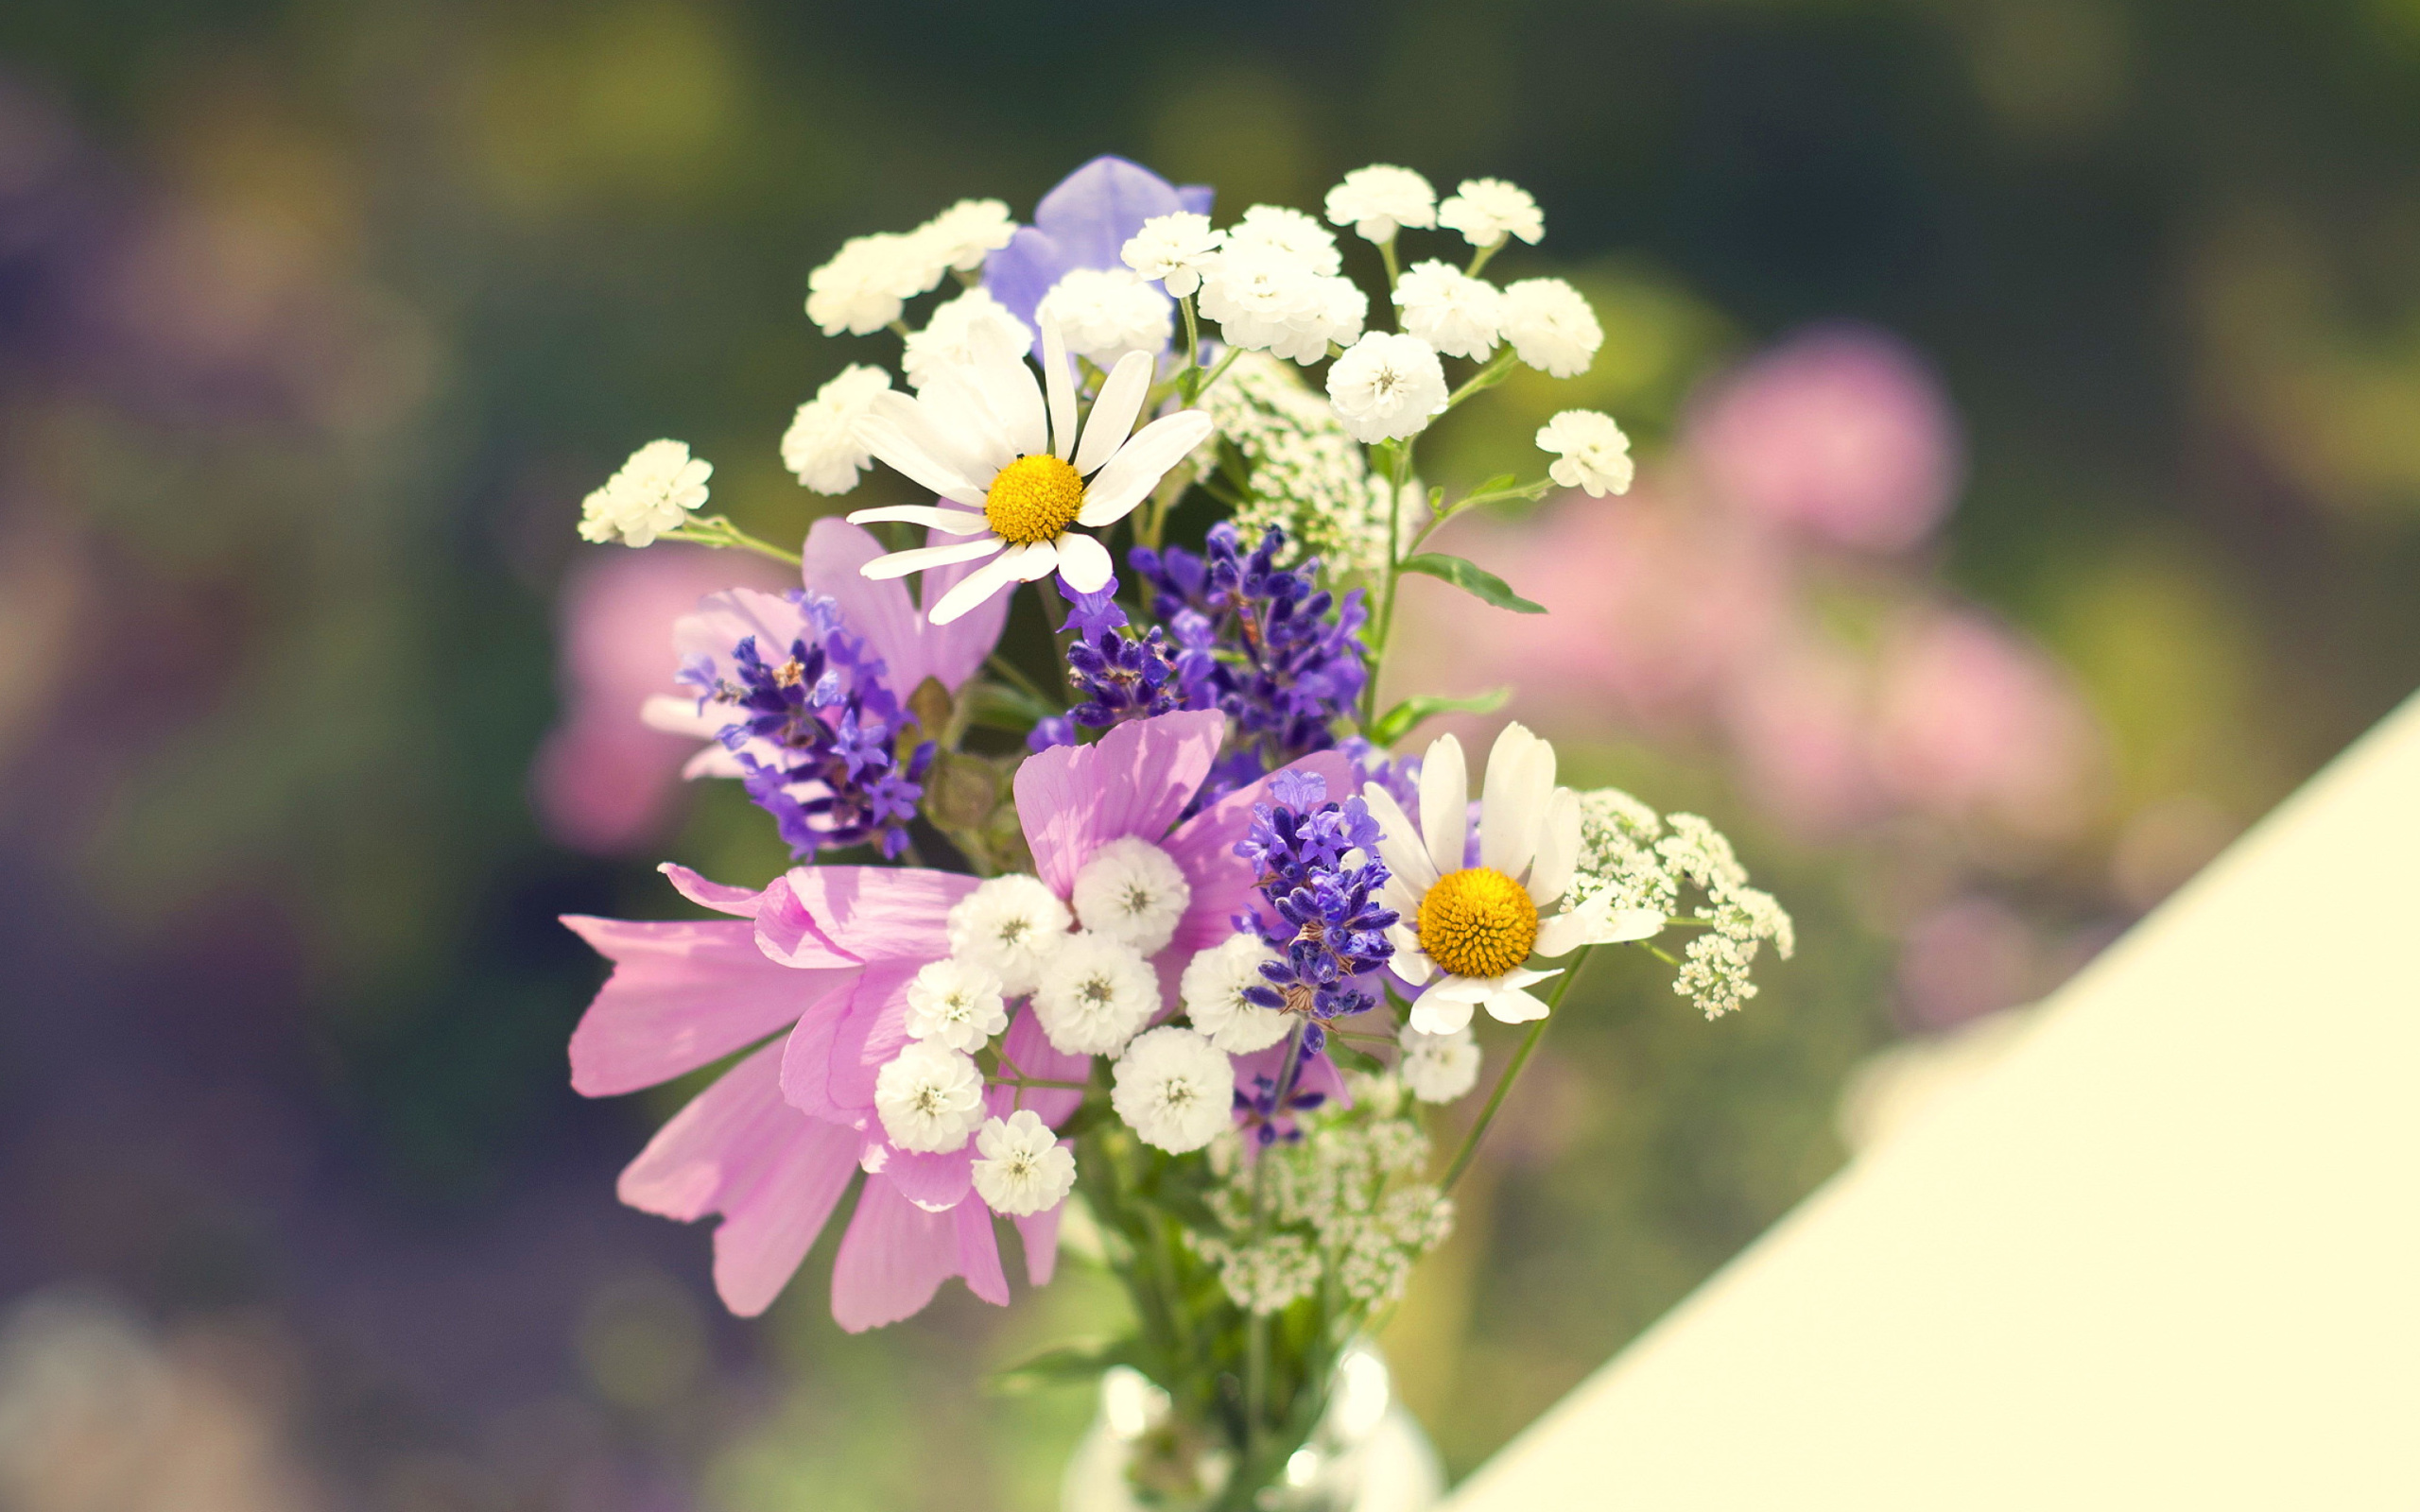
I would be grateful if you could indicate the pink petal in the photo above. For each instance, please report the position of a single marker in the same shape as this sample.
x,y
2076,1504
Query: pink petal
x,y
1029,1050
892,1260
1040,1232
720,896
830,1064
978,1253
880,913
912,648
935,1182
1135,780
772,1172
682,995
1204,848
784,933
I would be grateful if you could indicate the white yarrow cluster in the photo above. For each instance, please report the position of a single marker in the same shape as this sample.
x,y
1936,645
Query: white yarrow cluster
x,y
1266,296
1459,314
1174,1088
1104,313
1134,892
1011,926
1631,858
1389,385
961,236
1095,994
1378,200
1438,1068
1551,327
869,282
1308,478
930,1097
652,495
961,333
1289,233
819,446
1020,1167
955,1004
1590,452
1486,211
1213,988
1175,250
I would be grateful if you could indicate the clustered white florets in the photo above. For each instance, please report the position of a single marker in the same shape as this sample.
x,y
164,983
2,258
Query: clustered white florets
x,y
1631,858
1551,327
1104,313
1213,988
959,334
1459,314
1378,200
1486,211
820,446
1591,451
955,1004
653,494
1134,892
1174,1088
1389,385
1175,250
1308,477
1022,1168
869,282
930,1097
1438,1068
1095,994
1011,926
1266,296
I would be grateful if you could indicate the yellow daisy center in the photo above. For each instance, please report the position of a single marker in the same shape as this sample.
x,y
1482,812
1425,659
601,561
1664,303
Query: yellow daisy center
x,y
1478,922
1033,498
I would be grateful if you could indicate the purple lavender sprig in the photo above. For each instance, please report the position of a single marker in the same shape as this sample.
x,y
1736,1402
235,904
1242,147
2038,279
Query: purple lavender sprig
x,y
1317,865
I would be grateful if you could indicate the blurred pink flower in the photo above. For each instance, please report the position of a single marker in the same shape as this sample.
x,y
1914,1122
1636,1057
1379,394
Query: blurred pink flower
x,y
1972,722
1798,720
1842,430
1968,957
603,781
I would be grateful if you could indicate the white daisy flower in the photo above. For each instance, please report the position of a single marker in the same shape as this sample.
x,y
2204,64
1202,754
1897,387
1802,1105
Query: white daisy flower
x,y
1456,313
1551,327
1438,1067
870,280
966,232
1021,1168
1175,1089
820,446
1379,199
1486,211
1175,249
1213,989
1266,299
652,493
1284,229
957,1004
981,437
1466,932
1389,385
1104,313
1010,926
1591,452
930,1097
961,331
1095,995
1134,892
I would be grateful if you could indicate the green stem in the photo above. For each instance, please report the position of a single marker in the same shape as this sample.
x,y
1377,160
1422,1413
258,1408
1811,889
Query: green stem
x,y
1504,1083
1479,258
1487,377
1387,250
1015,675
1192,349
1401,476
717,531
1216,373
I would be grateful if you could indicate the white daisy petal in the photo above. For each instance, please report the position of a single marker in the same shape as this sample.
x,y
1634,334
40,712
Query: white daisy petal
x,y
1139,465
1398,894
1399,843
949,521
1514,1007
1444,802
1113,417
1453,988
955,413
1083,562
1034,563
880,429
973,589
1558,846
1435,1015
900,563
1060,381
1599,925
1511,803
1008,387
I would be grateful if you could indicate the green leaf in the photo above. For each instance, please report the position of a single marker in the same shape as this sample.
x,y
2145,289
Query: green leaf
x,y
1472,579
1405,717
1068,1364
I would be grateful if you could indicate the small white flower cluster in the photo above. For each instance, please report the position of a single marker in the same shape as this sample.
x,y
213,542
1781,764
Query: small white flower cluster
x,y
1271,282
1308,478
869,282
1590,452
654,493
1336,1203
1648,861
819,445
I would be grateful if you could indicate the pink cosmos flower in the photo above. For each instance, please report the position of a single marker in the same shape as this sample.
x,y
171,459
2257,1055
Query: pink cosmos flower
x,y
1843,432
823,957
1972,721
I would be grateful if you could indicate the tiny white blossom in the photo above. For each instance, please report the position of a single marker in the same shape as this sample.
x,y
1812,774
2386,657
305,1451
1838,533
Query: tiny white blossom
x,y
1265,299
1174,1088
966,232
868,282
1213,989
1389,385
930,1097
1438,1067
1134,892
957,1004
1175,249
1284,229
1021,1168
819,446
963,332
1551,327
1095,995
652,493
1010,925
1456,313
1104,313
1486,211
1592,451
1377,200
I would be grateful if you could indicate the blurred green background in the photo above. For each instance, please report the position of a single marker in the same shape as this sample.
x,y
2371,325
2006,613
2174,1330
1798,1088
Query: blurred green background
x,y
317,320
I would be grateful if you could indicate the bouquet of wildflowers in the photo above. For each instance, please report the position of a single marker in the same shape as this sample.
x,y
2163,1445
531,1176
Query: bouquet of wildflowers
x,y
1170,942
